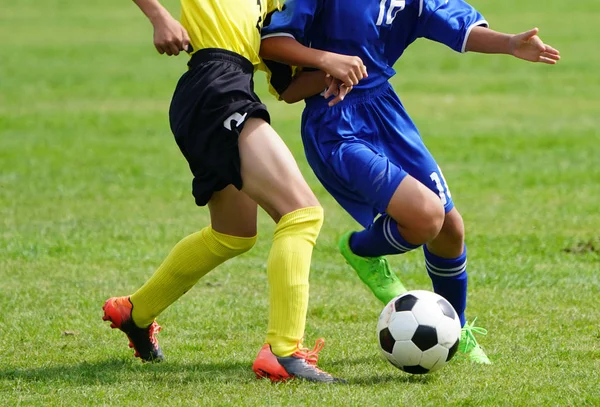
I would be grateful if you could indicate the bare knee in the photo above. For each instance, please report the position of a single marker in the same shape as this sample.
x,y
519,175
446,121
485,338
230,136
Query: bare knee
x,y
449,243
426,223
453,229
417,210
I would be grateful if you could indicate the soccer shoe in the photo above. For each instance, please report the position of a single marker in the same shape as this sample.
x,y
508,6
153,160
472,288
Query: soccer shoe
x,y
468,344
301,364
143,340
373,271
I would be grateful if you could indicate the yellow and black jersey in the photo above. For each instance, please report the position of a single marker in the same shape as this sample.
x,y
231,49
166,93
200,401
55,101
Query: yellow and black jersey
x,y
279,76
233,25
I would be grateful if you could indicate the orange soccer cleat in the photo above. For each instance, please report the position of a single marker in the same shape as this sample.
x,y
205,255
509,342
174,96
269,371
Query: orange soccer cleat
x,y
301,364
143,340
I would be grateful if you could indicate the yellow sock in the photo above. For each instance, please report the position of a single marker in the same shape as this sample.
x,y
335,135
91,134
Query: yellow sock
x,y
288,268
191,259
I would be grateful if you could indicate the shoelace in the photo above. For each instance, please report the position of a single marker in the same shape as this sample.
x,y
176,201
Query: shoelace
x,y
470,330
311,356
378,264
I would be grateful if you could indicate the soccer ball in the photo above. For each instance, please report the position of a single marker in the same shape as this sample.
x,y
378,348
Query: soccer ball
x,y
418,332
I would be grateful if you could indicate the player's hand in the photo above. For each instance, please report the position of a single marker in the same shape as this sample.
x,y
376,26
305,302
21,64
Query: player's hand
x,y
350,70
336,88
529,46
170,37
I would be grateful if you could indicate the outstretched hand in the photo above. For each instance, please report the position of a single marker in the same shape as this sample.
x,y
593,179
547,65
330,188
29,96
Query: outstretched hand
x,y
529,46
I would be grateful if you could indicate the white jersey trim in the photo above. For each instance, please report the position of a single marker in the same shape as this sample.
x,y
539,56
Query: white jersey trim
x,y
278,35
420,8
475,24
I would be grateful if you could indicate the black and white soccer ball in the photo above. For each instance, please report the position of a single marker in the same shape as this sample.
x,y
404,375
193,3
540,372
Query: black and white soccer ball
x,y
418,332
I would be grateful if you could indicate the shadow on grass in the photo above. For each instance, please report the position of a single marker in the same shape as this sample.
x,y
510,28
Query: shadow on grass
x,y
399,377
385,373
115,371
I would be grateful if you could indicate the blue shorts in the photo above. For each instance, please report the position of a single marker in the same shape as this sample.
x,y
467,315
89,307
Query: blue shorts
x,y
362,148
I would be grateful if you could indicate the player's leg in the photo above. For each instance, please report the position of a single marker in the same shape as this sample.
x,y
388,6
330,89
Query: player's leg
x,y
212,156
232,232
446,262
272,178
446,254
364,181
413,216
346,146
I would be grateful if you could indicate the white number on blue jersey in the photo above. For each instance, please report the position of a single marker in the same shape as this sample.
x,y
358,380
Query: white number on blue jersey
x,y
443,190
394,8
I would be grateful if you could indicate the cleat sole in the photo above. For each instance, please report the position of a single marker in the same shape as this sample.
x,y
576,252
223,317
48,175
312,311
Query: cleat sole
x,y
261,374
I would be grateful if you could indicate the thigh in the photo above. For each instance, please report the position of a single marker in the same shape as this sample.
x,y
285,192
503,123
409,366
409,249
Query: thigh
x,y
401,142
358,175
232,212
366,173
209,106
269,171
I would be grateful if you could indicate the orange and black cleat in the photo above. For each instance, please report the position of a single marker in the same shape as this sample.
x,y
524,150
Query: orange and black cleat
x,y
301,364
143,340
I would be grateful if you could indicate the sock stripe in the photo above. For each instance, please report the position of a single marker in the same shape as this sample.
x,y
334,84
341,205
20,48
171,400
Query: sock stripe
x,y
387,231
462,266
451,272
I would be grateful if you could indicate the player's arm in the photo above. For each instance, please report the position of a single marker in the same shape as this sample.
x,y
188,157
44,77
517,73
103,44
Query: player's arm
x,y
310,83
458,25
526,45
169,35
287,31
285,49
304,85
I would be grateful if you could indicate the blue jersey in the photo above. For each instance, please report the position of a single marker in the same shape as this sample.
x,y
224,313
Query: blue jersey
x,y
377,31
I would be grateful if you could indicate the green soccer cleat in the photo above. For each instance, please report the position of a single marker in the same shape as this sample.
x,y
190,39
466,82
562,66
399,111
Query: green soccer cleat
x,y
468,344
373,271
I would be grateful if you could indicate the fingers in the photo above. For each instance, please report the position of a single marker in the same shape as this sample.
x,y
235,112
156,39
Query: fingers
x,y
185,43
551,50
358,72
352,79
332,89
343,91
169,47
546,60
550,55
174,48
531,33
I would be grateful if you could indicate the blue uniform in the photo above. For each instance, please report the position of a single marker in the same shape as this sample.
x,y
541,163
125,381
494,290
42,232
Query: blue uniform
x,y
362,148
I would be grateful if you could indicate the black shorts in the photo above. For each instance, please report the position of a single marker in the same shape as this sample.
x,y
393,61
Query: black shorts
x,y
211,102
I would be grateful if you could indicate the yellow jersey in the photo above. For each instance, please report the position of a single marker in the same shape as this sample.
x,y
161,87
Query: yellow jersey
x,y
233,25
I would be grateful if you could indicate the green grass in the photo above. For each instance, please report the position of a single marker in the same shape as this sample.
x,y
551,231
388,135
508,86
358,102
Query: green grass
x,y
94,193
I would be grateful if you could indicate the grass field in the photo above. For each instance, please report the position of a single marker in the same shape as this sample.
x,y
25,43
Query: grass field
x,y
94,193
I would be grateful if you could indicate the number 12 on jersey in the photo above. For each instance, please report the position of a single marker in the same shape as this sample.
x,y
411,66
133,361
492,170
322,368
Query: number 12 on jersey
x,y
393,9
